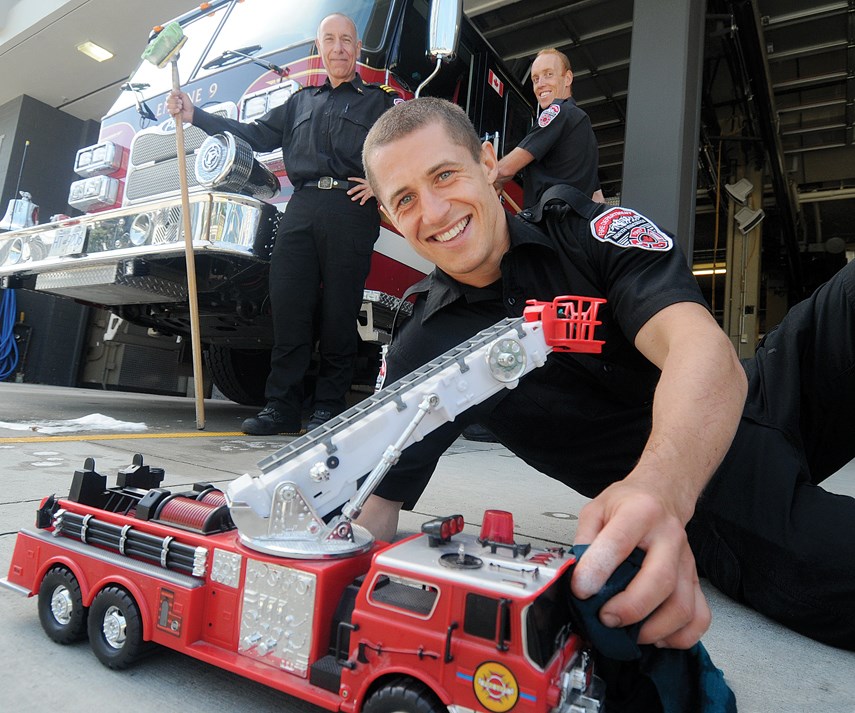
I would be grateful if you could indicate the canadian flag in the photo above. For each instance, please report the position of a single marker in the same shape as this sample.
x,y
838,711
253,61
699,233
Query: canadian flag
x,y
497,84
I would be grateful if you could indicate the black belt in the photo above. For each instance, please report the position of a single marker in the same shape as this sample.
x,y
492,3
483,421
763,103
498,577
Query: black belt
x,y
326,183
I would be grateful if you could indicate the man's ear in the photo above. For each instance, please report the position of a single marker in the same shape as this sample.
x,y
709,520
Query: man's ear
x,y
490,161
569,77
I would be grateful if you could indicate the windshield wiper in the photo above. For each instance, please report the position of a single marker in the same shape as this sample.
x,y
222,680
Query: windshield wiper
x,y
229,56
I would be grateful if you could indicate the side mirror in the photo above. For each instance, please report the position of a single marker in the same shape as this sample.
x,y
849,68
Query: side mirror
x,y
444,28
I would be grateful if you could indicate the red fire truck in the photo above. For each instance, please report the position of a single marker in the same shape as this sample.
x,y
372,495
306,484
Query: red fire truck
x,y
241,58
273,580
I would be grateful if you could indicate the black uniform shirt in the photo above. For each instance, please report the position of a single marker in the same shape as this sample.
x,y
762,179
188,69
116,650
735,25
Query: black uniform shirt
x,y
564,149
320,129
581,418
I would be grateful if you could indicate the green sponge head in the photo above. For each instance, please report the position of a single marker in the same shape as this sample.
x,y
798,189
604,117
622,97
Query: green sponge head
x,y
166,45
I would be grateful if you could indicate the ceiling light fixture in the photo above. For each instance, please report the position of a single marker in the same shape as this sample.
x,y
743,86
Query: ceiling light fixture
x,y
709,271
96,52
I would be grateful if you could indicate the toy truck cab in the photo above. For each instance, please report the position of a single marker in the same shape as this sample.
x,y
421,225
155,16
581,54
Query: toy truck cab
x,y
469,623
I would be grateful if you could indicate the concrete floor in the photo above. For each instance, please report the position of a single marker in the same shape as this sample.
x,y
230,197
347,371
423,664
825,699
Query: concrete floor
x,y
769,668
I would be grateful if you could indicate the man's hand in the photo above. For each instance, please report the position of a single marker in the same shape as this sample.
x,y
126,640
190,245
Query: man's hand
x,y
179,103
361,191
621,517
696,410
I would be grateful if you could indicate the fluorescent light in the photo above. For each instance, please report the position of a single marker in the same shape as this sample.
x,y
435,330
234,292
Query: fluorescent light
x,y
96,52
702,271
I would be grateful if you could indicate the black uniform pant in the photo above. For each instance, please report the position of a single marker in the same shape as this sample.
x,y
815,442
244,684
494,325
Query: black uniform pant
x,y
319,265
764,531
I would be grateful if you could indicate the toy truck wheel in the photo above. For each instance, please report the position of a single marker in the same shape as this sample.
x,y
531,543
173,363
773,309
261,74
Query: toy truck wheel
x,y
61,610
404,695
115,628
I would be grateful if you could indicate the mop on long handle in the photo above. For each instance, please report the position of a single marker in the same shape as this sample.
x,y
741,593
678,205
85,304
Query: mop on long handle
x,y
162,50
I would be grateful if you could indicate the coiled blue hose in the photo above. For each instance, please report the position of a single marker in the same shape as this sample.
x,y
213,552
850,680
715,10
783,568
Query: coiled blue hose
x,y
8,346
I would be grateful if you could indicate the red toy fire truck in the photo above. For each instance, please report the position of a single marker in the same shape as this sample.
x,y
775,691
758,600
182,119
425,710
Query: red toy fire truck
x,y
273,580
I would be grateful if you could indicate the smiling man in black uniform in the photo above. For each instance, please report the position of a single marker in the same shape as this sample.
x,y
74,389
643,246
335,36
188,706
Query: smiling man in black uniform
x,y
656,429
561,147
326,236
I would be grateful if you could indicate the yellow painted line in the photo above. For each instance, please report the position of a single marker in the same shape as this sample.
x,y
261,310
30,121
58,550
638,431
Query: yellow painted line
x,y
119,436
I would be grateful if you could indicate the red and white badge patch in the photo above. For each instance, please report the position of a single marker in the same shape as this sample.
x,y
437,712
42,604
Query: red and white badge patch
x,y
628,229
548,115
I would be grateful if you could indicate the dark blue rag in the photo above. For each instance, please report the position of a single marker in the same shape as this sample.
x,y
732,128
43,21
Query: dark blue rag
x,y
644,678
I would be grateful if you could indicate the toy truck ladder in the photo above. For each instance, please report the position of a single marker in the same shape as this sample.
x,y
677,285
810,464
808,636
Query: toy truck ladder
x,y
281,509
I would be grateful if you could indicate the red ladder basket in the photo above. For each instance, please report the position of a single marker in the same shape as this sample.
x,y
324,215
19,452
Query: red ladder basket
x,y
568,322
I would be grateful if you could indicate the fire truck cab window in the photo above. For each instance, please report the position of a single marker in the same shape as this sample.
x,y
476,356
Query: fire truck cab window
x,y
407,595
288,23
548,622
518,122
481,617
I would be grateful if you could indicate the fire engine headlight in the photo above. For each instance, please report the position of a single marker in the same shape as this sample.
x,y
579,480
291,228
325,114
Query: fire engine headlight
x,y
279,96
76,191
84,158
254,107
15,253
141,229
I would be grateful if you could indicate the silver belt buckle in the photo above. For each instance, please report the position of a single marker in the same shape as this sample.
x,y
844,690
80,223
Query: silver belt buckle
x,y
325,183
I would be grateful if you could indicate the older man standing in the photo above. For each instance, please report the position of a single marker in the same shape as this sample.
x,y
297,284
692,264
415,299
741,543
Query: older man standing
x,y
323,248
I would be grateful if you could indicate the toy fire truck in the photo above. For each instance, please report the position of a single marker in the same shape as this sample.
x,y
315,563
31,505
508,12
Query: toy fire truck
x,y
273,580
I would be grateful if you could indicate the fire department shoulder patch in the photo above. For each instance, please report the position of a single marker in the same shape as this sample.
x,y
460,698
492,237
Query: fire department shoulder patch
x,y
628,229
548,115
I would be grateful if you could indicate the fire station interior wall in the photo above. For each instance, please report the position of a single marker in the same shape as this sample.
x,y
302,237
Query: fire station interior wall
x,y
51,330
48,167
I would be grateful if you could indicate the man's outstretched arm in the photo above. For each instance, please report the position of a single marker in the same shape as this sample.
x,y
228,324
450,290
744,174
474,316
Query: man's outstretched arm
x,y
696,410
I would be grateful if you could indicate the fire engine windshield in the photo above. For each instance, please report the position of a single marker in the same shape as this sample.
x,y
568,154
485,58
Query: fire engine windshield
x,y
548,622
269,26
276,25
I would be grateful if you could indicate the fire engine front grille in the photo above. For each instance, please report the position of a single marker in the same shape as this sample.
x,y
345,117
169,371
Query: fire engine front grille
x,y
158,179
153,147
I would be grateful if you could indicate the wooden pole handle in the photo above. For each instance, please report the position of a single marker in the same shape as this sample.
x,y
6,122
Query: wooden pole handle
x,y
190,259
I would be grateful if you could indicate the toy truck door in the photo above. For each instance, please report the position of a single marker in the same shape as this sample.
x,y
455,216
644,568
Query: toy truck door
x,y
483,665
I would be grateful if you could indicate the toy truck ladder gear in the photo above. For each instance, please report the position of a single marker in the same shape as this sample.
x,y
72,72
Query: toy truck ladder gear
x,y
281,510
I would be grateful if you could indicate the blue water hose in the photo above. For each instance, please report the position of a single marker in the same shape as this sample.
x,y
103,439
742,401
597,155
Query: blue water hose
x,y
8,345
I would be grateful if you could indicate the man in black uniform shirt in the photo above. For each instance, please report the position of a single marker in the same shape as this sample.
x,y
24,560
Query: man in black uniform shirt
x,y
656,429
326,236
562,147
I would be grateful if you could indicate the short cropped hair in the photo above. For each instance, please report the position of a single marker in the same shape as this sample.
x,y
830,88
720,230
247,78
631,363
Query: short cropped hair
x,y
405,118
564,59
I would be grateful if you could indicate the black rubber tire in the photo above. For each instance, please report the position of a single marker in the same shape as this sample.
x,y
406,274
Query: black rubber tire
x,y
239,374
404,695
61,610
115,628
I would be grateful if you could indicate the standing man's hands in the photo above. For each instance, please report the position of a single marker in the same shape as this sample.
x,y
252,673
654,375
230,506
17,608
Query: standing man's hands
x,y
179,103
622,517
361,191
